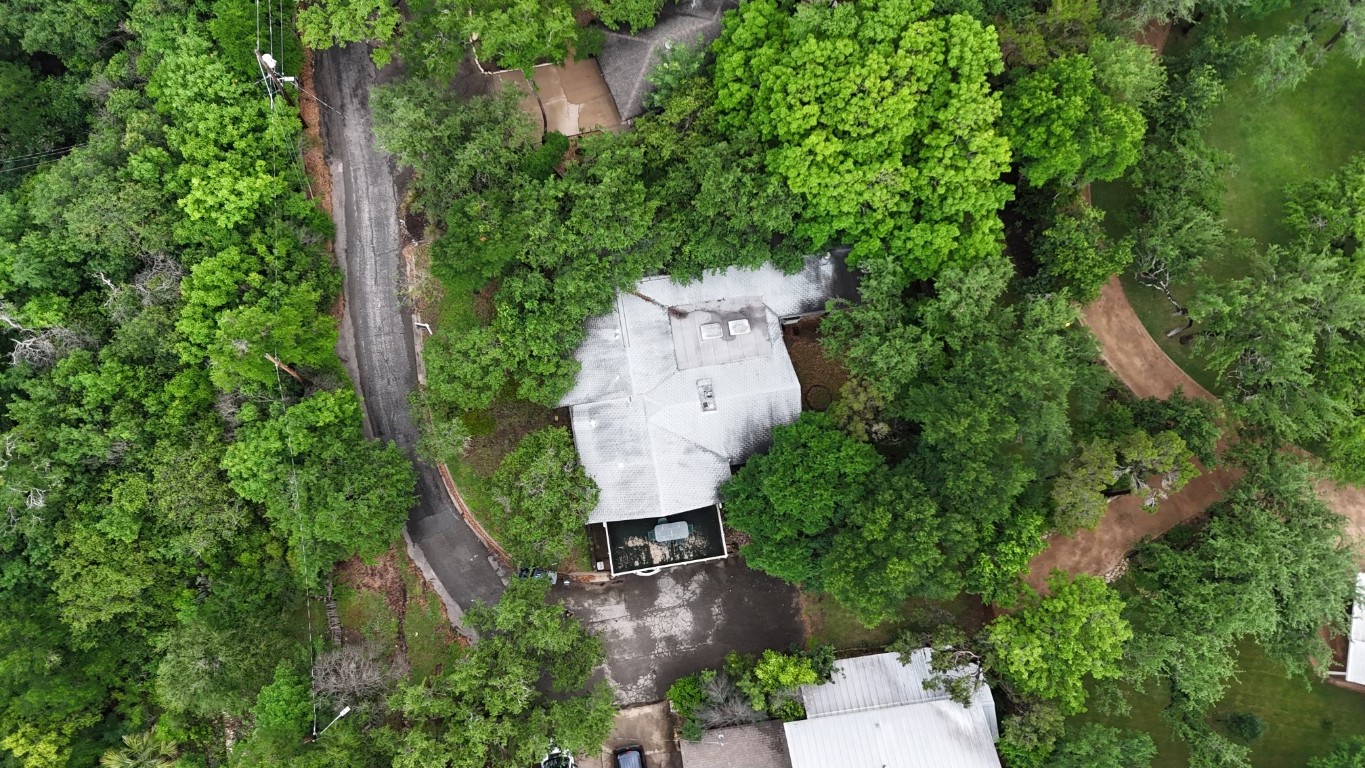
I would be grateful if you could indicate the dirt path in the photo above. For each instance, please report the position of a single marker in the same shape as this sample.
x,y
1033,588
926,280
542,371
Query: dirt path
x,y
1131,352
1137,361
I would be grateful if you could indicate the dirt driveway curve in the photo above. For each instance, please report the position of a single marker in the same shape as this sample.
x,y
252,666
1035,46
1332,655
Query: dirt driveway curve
x,y
1137,361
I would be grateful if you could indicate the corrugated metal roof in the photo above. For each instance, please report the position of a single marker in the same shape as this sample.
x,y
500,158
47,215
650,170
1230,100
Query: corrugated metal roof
x,y
930,734
880,681
638,416
1355,652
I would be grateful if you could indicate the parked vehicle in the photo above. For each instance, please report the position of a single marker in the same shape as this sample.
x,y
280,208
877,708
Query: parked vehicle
x,y
538,573
558,759
629,757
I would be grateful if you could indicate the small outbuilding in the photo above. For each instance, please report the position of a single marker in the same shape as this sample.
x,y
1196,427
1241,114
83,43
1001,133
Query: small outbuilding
x,y
1355,649
879,713
678,385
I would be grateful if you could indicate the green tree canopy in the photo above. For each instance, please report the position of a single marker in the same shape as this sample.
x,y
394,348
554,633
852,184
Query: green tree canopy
x,y
1350,753
880,116
1271,564
326,23
546,498
328,490
519,688
1065,129
790,499
1054,643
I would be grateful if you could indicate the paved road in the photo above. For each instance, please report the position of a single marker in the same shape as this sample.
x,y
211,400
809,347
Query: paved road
x,y
378,331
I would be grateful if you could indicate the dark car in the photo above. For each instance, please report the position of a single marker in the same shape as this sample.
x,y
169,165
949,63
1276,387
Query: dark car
x,y
630,757
538,573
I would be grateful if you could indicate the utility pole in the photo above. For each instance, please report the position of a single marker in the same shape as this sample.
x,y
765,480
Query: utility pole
x,y
285,368
273,80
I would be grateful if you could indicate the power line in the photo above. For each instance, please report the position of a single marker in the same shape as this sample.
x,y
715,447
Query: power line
x,y
31,166
48,152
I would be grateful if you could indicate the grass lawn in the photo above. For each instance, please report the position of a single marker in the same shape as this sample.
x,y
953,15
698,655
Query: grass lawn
x,y
1275,140
828,622
1289,137
1302,720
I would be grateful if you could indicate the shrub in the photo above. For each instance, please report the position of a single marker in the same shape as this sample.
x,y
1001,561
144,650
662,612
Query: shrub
x,y
677,64
1244,725
686,694
544,162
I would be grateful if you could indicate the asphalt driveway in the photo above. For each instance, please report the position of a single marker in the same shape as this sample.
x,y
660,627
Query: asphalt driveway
x,y
377,330
659,628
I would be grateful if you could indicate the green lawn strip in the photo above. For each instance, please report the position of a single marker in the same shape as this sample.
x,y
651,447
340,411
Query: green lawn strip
x,y
430,641
830,623
1302,719
366,614
1157,316
1285,138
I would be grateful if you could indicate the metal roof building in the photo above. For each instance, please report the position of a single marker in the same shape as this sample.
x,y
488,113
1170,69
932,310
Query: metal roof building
x,y
877,713
681,382
1355,652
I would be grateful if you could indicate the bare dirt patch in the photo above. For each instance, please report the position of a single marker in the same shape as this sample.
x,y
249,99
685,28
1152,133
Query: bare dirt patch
x,y
1124,526
314,163
390,603
381,577
499,429
820,376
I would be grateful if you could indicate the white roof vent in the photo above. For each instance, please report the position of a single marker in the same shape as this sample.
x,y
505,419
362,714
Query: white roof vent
x,y
739,327
707,394
711,331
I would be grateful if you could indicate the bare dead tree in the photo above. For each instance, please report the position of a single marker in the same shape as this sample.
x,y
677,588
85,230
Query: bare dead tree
x,y
159,280
1153,271
39,347
725,704
354,672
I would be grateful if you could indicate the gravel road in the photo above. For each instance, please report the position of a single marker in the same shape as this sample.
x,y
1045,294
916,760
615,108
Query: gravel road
x,y
377,332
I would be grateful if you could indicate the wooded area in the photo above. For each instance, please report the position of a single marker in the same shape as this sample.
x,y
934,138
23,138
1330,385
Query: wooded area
x,y
184,463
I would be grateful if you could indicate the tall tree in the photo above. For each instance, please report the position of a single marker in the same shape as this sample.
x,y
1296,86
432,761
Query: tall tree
x,y
546,498
328,490
1272,334
1271,564
917,173
521,687
1053,644
790,499
1065,129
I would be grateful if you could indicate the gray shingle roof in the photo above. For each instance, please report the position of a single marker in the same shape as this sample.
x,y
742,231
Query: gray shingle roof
x,y
646,432
626,60
760,745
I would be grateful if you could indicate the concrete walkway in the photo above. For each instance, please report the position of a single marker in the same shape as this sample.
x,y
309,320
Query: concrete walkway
x,y
377,330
